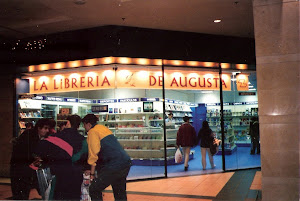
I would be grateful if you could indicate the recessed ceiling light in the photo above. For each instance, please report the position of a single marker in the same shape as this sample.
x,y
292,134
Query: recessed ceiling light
x,y
217,21
79,2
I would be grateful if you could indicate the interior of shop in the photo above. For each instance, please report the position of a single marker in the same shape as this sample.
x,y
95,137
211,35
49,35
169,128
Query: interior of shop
x,y
137,117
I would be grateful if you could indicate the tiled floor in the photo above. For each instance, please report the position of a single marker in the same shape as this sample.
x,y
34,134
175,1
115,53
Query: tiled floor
x,y
208,187
256,184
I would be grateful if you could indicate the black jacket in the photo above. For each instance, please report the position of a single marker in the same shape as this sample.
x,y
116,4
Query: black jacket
x,y
206,137
22,154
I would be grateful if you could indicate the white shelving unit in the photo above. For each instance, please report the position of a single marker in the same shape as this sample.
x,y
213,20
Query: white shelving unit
x,y
179,111
236,122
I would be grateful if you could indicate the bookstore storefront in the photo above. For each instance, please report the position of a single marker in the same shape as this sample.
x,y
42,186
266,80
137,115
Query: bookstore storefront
x,y
133,98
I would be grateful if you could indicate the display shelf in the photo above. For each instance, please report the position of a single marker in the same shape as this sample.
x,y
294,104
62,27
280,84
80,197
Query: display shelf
x,y
128,113
140,134
28,113
140,140
48,111
179,111
31,117
228,151
229,141
126,120
236,117
158,161
31,108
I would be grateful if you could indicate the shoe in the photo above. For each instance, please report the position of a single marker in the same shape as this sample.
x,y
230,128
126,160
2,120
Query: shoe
x,y
204,168
186,168
213,167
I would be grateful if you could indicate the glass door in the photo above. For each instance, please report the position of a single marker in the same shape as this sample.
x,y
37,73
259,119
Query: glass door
x,y
192,93
134,113
240,112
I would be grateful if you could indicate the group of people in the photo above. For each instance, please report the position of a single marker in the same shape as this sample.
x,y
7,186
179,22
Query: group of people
x,y
187,138
69,155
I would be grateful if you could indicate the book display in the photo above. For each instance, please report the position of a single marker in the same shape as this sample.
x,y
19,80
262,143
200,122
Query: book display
x,y
179,110
140,134
139,128
48,111
137,123
28,111
236,124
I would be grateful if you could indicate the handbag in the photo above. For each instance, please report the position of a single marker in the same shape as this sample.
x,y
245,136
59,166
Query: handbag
x,y
178,156
214,146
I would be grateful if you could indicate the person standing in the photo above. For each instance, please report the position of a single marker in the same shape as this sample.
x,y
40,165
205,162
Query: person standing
x,y
65,153
110,164
170,118
62,125
23,177
186,137
52,129
254,134
206,136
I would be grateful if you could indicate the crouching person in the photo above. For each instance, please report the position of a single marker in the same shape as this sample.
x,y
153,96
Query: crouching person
x,y
109,162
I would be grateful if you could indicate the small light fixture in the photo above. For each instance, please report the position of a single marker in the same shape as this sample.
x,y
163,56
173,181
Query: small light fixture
x,y
217,21
79,2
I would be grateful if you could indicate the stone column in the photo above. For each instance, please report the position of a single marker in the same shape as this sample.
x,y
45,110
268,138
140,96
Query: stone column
x,y
276,25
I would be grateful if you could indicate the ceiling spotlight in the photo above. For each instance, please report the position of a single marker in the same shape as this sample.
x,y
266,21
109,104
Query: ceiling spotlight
x,y
217,21
79,2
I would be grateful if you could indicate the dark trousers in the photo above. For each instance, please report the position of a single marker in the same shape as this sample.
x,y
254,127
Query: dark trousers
x,y
255,146
20,187
68,185
23,179
117,179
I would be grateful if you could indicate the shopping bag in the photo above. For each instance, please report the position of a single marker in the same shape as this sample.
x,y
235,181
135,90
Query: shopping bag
x,y
178,156
85,195
44,179
48,191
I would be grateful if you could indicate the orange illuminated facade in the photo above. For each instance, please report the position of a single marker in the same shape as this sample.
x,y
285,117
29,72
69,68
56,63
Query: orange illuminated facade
x,y
132,61
127,79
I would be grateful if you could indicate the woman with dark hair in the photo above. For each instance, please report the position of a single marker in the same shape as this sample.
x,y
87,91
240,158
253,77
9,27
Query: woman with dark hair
x,y
22,176
206,136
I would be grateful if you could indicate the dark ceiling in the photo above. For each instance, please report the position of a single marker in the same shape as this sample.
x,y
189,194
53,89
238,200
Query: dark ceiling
x,y
43,31
27,18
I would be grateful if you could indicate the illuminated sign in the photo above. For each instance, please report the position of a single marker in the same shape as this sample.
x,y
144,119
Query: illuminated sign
x,y
108,79
242,82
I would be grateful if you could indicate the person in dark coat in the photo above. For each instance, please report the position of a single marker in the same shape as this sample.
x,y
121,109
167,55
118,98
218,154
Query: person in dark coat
x,y
58,152
52,129
206,136
254,134
23,178
186,137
